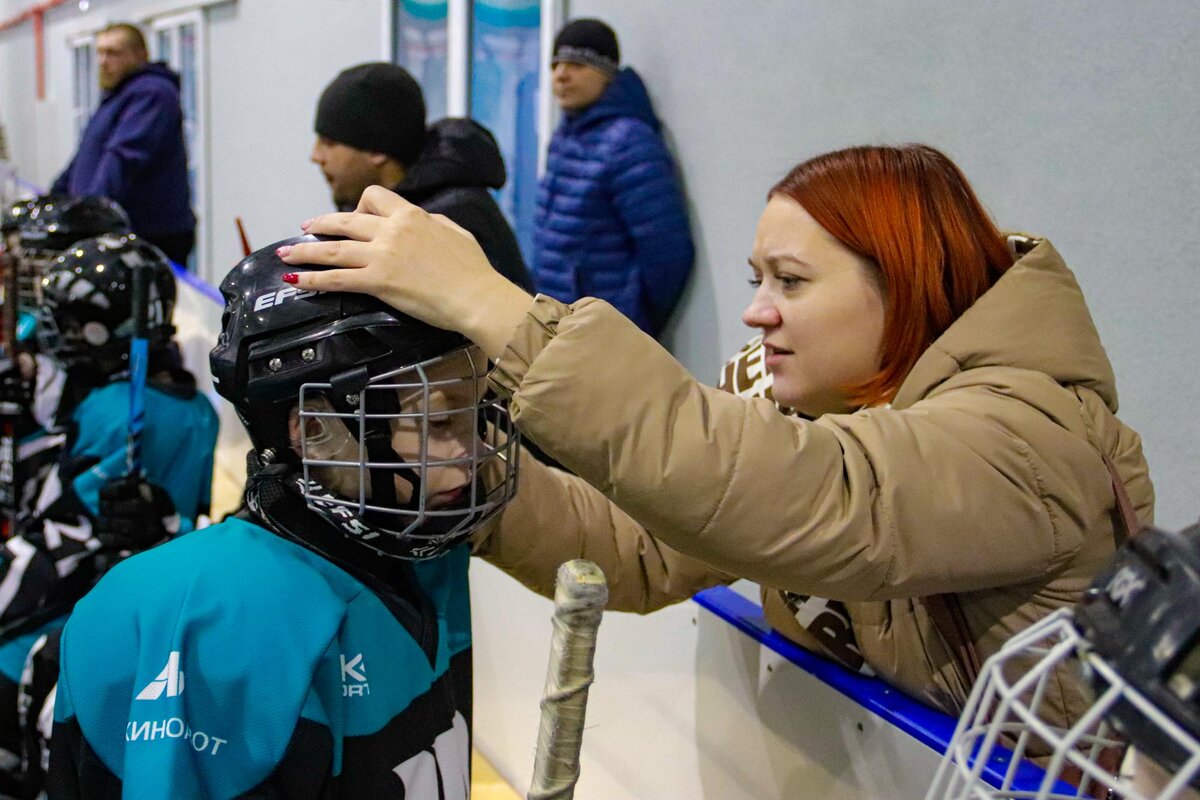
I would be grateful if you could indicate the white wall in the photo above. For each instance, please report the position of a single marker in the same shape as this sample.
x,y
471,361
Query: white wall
x,y
1075,120
268,62
32,126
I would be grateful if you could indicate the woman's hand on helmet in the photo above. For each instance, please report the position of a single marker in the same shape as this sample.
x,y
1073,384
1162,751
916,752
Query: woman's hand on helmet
x,y
420,264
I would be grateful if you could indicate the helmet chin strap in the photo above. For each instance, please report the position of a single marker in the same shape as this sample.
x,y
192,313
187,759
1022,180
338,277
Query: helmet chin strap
x,y
377,440
271,495
272,491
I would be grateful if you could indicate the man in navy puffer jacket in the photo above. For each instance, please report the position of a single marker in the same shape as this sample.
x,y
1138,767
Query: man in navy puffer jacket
x,y
132,150
611,219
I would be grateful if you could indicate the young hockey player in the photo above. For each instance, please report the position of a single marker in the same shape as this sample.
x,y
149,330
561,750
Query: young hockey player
x,y
87,512
317,645
35,232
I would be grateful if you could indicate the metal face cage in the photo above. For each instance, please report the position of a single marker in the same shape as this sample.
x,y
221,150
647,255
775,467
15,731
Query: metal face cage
x,y
452,444
1004,723
31,264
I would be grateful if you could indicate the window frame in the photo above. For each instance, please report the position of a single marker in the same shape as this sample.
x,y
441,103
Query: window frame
x,y
89,90
171,25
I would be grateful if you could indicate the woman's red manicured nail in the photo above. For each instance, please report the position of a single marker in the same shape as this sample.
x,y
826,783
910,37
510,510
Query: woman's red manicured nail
x,y
290,277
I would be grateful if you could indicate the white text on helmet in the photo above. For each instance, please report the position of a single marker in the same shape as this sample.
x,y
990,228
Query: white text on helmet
x,y
264,301
1124,586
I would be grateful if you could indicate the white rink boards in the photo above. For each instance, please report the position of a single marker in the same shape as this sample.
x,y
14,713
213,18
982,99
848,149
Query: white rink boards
x,y
684,706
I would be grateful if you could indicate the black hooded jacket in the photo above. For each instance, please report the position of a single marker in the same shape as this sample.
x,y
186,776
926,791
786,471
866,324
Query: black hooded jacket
x,y
459,163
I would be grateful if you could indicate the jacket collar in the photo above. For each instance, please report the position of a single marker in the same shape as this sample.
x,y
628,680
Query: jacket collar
x,y
152,69
457,153
1033,318
625,96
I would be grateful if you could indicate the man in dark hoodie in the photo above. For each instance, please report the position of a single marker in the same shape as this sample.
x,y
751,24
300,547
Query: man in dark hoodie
x,y
611,219
132,150
370,127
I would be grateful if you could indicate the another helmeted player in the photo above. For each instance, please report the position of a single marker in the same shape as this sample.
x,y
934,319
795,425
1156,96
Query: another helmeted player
x,y
35,232
1135,638
87,513
318,643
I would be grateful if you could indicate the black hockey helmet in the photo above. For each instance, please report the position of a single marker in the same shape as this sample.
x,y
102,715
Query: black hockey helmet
x,y
1142,617
87,295
36,231
347,362
49,224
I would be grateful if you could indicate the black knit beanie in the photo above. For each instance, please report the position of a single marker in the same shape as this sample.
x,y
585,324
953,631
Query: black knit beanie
x,y
376,107
588,41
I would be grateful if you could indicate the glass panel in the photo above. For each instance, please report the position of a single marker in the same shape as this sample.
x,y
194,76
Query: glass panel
x,y
187,86
164,46
188,58
504,90
187,68
79,93
92,81
419,45
85,91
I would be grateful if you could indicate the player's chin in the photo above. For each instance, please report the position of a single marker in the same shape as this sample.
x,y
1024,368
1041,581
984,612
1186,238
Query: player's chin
x,y
786,389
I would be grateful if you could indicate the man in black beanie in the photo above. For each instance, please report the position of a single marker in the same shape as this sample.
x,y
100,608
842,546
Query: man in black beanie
x,y
370,127
611,220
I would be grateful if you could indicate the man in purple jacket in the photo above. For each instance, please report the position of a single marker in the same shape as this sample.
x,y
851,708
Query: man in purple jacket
x,y
132,150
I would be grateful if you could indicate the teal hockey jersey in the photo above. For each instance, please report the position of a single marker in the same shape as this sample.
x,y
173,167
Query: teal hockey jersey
x,y
233,662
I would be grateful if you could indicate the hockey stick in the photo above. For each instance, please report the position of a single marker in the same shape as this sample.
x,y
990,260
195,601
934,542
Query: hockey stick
x,y
579,598
242,233
139,354
10,408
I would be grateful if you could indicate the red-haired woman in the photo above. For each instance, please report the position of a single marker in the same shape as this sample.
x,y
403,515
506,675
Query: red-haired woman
x,y
962,470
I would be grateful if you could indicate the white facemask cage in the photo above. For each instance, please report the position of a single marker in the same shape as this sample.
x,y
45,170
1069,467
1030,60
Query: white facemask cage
x,y
403,397
1003,719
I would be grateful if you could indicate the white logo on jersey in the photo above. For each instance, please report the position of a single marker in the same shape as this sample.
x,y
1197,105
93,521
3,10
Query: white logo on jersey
x,y
1124,586
446,764
152,730
354,677
265,301
170,680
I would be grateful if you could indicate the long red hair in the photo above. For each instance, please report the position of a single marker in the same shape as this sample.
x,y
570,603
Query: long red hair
x,y
911,211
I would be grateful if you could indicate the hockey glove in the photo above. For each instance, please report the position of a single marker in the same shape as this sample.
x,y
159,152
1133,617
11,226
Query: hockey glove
x,y
134,515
